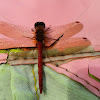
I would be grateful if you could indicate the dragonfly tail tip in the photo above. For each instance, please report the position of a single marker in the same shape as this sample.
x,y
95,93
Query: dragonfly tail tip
x,y
40,91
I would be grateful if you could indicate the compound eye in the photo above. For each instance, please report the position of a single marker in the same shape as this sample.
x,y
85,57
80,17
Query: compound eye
x,y
39,23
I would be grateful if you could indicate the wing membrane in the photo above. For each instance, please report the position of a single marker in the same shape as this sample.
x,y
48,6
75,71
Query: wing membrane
x,y
68,30
15,43
15,36
14,31
22,36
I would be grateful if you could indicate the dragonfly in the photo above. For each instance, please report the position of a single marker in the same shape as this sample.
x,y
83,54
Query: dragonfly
x,y
57,39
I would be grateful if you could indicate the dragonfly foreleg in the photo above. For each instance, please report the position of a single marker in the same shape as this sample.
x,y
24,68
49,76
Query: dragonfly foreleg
x,y
33,30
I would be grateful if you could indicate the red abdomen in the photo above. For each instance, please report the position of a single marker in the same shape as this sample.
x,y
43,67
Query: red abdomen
x,y
40,65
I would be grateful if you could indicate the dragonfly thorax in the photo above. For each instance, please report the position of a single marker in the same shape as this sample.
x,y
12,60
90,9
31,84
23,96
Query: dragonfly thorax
x,y
40,35
39,26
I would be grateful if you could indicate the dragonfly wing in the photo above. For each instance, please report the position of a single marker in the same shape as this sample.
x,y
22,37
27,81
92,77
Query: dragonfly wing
x,y
68,30
15,31
14,43
71,44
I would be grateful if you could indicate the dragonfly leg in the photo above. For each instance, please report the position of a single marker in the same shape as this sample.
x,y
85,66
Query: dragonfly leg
x,y
47,28
32,30
50,38
56,40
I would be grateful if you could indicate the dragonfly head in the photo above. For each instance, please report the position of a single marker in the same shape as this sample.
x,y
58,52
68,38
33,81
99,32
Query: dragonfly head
x,y
39,25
